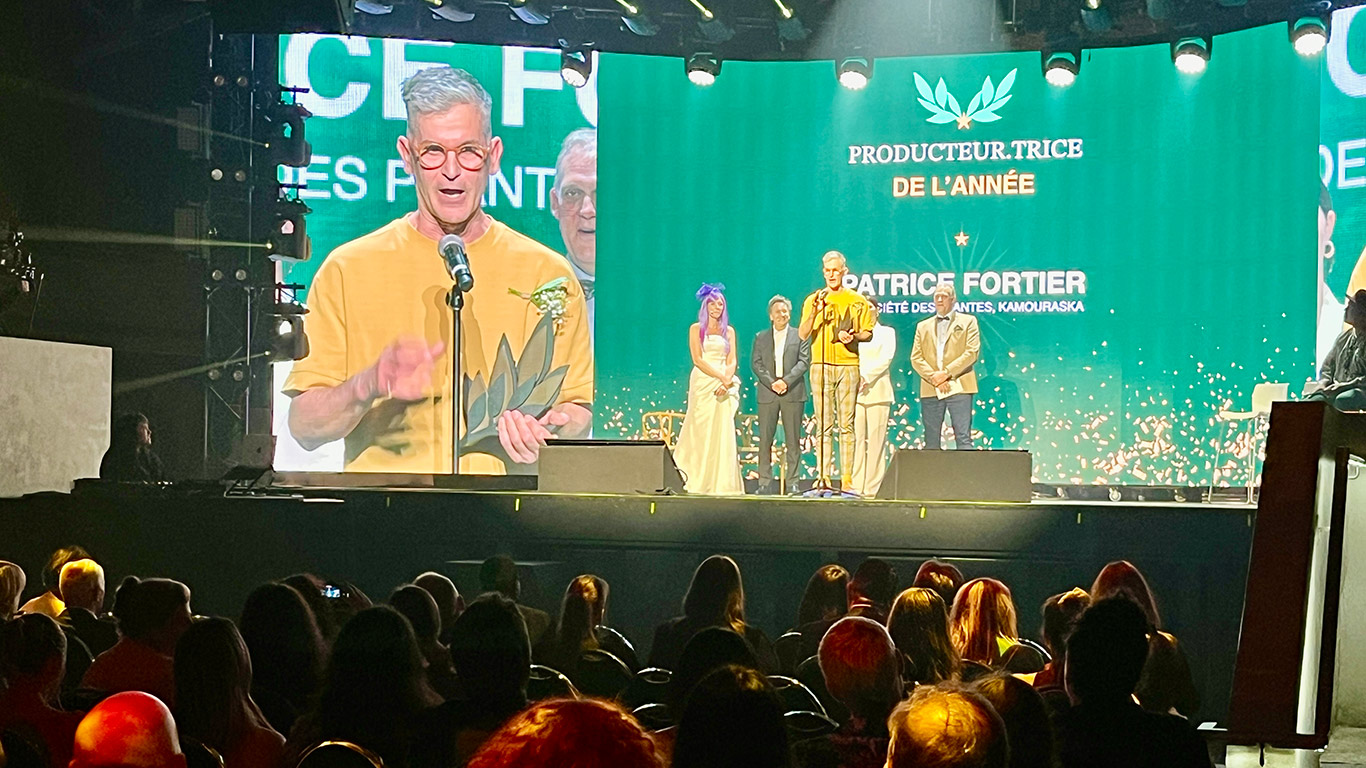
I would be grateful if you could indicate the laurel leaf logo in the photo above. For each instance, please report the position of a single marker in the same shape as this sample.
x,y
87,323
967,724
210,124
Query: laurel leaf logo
x,y
944,107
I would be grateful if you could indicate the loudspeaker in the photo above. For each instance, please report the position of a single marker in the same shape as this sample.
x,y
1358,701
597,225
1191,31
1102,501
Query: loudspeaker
x,y
958,476
608,466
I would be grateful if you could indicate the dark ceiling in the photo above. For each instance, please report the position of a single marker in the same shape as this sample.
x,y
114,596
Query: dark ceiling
x,y
756,29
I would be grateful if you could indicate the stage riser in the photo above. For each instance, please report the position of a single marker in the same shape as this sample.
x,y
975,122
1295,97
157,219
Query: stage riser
x,y
1195,557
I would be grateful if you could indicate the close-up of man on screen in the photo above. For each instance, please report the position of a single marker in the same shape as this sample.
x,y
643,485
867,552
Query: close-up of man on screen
x,y
378,374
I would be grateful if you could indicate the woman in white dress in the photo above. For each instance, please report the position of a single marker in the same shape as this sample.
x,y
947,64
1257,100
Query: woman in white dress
x,y
706,452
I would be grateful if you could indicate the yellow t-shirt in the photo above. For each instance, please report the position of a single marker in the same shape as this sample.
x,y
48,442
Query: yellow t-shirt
x,y
392,283
845,310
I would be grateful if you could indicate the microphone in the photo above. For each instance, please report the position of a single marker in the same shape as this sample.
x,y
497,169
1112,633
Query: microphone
x,y
452,249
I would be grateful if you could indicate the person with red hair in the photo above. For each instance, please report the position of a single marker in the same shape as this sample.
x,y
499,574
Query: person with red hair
x,y
1166,685
130,730
983,626
583,733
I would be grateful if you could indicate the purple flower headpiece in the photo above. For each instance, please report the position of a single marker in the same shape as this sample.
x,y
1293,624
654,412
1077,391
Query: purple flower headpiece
x,y
705,294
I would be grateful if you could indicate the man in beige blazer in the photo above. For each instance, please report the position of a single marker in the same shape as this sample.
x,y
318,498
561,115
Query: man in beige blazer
x,y
946,347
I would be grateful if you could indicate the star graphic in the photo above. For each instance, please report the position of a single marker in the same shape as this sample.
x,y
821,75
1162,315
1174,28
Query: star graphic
x,y
961,239
964,121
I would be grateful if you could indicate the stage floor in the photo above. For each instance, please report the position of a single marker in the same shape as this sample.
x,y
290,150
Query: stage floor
x,y
1194,555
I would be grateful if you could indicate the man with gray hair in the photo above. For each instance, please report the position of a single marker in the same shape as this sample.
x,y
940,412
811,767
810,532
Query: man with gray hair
x,y
82,586
946,348
378,373
779,360
574,203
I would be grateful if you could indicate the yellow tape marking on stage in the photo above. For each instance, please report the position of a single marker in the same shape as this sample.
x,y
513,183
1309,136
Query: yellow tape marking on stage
x,y
517,505
652,507
922,513
1078,518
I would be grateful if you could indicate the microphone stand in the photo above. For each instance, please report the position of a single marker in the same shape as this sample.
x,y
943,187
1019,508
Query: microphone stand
x,y
456,301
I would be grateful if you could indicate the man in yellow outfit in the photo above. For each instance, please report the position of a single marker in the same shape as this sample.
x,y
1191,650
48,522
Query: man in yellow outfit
x,y
835,320
378,373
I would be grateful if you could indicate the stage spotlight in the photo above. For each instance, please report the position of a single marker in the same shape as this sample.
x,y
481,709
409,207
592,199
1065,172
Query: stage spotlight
x,y
1096,19
1060,68
576,64
531,11
713,29
790,26
289,241
374,7
636,19
457,11
288,145
1309,35
703,68
854,72
287,339
1191,54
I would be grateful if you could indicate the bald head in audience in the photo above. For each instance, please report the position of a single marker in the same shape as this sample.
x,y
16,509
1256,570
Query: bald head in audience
x,y
448,600
82,585
128,730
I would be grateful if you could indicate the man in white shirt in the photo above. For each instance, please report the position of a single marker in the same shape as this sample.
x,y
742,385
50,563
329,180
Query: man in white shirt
x,y
873,407
779,360
574,204
946,348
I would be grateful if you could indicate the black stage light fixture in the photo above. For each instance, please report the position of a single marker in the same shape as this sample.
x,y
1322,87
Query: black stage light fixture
x,y
1309,33
576,64
1060,68
287,143
287,339
1095,15
531,11
854,72
1191,54
374,7
289,239
634,16
713,29
1160,9
457,11
790,26
702,68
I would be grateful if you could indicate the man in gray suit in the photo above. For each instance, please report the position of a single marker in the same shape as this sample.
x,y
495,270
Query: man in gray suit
x,y
779,361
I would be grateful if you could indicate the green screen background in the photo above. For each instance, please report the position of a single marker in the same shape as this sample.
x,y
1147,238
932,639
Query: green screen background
x,y
1188,213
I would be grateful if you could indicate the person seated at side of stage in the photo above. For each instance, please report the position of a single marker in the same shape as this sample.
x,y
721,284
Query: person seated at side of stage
x,y
129,730
33,667
947,726
493,659
499,574
448,600
1105,658
50,602
1342,377
872,589
944,578
130,457
378,372
862,670
580,627
825,601
919,625
287,653
715,598
1060,614
12,582
374,692
152,615
584,733
983,628
418,607
1166,684
82,588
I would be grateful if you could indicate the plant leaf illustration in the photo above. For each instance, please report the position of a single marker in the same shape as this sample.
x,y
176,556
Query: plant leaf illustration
x,y
988,90
976,102
924,88
545,394
941,117
953,105
941,93
986,116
